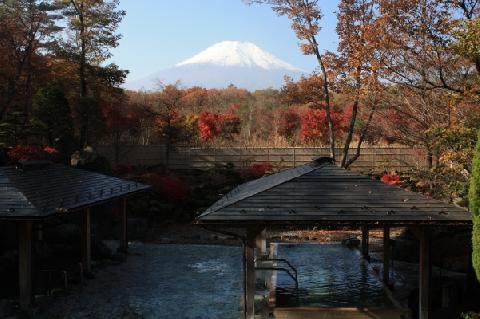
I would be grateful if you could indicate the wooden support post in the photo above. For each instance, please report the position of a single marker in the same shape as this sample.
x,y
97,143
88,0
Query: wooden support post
x,y
25,264
249,274
86,238
261,243
386,254
424,280
365,236
123,225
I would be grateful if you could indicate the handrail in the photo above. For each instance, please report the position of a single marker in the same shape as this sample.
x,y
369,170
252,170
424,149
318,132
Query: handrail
x,y
292,268
287,262
294,278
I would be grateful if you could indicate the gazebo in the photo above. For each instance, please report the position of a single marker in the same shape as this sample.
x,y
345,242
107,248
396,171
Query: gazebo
x,y
323,195
35,191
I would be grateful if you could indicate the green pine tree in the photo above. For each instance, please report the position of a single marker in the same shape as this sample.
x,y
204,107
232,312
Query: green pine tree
x,y
52,119
474,200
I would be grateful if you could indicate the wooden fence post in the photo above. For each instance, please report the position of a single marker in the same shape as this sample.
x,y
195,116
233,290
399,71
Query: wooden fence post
x,y
294,157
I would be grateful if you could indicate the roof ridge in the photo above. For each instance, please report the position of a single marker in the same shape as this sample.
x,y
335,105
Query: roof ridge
x,y
225,202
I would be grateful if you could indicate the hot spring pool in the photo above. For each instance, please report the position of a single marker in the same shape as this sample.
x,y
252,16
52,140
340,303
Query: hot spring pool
x,y
329,275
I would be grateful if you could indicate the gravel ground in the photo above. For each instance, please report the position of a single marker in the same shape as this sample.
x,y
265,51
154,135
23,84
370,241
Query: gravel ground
x,y
163,281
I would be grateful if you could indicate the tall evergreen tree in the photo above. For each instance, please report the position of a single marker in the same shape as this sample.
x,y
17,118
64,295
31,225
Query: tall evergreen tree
x,y
92,26
27,30
52,118
474,200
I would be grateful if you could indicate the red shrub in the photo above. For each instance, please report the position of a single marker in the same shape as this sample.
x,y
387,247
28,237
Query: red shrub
x,y
391,179
171,188
259,169
122,169
33,153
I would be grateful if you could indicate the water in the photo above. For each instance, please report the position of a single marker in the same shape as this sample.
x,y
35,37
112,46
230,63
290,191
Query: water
x,y
329,275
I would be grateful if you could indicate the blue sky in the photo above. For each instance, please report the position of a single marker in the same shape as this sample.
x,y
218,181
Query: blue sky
x,y
160,33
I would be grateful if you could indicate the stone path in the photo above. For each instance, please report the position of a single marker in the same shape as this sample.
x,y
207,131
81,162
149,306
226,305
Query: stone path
x,y
159,281
340,313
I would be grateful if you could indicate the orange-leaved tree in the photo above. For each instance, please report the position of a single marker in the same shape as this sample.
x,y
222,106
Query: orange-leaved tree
x,y
305,16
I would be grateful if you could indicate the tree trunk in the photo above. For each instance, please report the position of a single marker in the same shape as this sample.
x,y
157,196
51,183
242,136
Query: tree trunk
x,y
429,159
167,147
326,91
362,138
82,77
353,120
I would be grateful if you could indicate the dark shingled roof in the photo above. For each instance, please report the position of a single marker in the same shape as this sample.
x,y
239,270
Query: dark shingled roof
x,y
38,190
320,192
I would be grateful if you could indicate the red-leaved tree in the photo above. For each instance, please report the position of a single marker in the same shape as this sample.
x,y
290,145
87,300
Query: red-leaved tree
x,y
212,124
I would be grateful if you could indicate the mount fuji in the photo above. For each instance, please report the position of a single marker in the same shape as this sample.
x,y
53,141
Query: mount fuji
x,y
242,64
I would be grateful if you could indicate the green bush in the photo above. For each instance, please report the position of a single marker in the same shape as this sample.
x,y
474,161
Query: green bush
x,y
474,205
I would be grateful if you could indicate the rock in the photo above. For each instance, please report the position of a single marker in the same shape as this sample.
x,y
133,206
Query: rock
x,y
89,159
351,242
80,158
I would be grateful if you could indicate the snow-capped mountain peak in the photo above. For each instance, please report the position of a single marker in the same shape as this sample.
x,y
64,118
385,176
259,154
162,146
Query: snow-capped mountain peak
x,y
238,54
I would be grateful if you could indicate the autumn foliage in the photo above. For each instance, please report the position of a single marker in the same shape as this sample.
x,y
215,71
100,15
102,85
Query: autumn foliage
x,y
289,122
122,169
169,187
33,153
214,124
391,179
260,169
313,124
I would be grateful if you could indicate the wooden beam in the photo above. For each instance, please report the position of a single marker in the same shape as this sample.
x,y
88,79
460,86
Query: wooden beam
x,y
123,225
386,254
86,238
249,273
25,264
424,280
365,235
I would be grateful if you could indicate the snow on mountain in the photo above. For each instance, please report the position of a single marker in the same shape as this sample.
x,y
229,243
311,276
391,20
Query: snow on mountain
x,y
229,62
239,54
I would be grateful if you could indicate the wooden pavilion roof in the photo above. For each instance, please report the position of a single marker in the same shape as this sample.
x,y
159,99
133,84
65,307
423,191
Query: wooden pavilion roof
x,y
37,190
322,193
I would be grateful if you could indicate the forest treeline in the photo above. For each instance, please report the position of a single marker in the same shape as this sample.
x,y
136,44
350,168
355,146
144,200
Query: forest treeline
x,y
404,72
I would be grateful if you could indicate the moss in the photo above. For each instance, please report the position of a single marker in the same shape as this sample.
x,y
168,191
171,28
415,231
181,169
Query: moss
x,y
474,205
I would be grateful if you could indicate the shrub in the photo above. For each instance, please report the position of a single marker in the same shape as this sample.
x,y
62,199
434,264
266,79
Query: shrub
x,y
122,169
391,179
33,153
169,187
260,169
474,205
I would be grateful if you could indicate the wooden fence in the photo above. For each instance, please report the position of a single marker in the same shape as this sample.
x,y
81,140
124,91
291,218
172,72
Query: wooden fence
x,y
371,158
